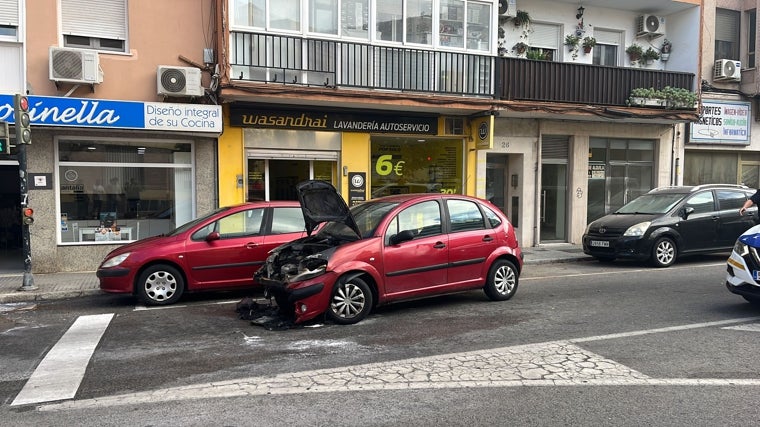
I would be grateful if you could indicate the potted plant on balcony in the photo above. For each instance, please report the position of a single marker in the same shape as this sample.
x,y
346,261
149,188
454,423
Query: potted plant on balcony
x,y
520,47
646,97
521,18
572,41
634,52
679,98
650,55
588,43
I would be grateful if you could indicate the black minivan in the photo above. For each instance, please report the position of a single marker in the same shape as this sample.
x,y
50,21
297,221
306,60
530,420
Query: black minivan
x,y
669,222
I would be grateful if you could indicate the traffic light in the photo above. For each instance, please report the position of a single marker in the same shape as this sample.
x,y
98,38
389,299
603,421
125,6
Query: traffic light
x,y
23,131
5,139
27,216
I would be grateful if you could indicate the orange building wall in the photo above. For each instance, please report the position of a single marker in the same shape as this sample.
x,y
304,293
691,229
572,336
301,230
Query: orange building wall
x,y
159,32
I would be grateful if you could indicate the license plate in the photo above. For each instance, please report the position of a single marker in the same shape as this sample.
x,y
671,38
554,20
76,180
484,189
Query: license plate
x,y
600,243
756,275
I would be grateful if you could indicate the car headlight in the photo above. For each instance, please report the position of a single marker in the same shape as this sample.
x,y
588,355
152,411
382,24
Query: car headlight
x,y
741,249
309,267
638,230
113,262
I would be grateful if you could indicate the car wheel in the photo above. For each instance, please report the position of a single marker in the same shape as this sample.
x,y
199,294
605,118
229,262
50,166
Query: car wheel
x,y
350,302
160,285
501,283
664,252
752,300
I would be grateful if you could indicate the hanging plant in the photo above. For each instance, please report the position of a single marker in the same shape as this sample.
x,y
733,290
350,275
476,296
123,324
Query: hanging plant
x,y
634,52
520,47
521,18
588,43
650,55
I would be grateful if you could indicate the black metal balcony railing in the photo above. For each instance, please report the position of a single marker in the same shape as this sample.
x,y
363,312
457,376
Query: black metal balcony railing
x,y
296,60
531,80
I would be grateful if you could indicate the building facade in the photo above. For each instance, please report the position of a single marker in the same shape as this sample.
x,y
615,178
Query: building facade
x,y
525,118
117,152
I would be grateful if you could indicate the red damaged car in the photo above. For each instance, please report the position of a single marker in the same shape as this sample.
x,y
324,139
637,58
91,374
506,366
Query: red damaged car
x,y
389,249
221,250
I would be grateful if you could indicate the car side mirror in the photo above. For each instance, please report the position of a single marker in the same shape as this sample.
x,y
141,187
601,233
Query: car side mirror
x,y
214,235
403,236
685,212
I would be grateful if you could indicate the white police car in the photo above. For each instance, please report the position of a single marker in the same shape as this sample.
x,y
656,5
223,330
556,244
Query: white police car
x,y
743,266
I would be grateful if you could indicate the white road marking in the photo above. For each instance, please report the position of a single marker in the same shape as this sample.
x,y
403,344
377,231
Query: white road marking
x,y
607,273
554,363
60,372
752,327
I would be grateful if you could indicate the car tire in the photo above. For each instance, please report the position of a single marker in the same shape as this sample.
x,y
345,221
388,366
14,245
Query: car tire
x,y
160,284
501,283
350,301
664,252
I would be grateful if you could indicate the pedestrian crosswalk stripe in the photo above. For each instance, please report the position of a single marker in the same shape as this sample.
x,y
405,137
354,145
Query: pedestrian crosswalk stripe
x,y
60,372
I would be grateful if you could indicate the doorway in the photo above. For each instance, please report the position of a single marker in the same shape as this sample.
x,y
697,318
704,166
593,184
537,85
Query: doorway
x,y
553,202
276,179
11,258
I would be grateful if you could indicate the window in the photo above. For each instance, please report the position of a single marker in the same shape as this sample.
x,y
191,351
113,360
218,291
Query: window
x,y
730,199
702,202
287,220
493,219
607,49
544,42
726,34
423,219
323,16
272,14
464,215
751,34
390,24
122,189
419,21
100,25
9,12
354,19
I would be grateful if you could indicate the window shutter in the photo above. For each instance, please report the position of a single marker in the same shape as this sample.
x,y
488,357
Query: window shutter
x,y
545,36
726,23
608,37
554,146
9,12
106,19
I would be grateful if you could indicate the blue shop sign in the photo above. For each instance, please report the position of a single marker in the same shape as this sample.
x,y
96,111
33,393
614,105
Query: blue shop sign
x,y
99,113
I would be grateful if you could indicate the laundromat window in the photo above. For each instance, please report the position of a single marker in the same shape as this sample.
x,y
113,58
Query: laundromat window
x,y
416,165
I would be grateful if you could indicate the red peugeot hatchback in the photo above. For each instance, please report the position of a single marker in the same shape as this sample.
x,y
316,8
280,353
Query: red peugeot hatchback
x,y
389,249
221,250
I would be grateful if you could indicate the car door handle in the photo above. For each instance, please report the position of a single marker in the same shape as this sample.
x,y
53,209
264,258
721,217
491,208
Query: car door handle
x,y
439,245
251,245
488,239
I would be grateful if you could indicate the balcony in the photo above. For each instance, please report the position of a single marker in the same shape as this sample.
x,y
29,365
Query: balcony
x,y
336,63
293,60
520,79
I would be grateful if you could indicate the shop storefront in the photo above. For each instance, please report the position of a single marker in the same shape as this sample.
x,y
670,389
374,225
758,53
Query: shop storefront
x,y
364,154
104,172
720,147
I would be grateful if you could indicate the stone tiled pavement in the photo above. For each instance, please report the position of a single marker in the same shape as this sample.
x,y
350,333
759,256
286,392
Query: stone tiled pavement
x,y
77,284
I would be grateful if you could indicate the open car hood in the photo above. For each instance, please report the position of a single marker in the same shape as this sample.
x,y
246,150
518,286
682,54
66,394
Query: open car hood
x,y
320,202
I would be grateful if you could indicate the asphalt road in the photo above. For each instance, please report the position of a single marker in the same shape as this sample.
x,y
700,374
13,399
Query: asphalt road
x,y
581,343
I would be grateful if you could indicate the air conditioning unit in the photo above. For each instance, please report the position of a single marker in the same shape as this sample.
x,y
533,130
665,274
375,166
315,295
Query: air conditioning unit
x,y
507,8
71,65
650,25
727,70
179,81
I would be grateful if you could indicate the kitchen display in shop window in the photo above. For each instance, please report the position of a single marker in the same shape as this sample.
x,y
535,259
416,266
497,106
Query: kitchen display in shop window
x,y
403,165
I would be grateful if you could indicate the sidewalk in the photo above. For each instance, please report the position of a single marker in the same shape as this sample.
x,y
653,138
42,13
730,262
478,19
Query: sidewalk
x,y
77,284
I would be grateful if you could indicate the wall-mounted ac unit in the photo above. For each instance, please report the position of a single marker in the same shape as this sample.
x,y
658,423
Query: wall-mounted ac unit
x,y
507,8
179,81
71,65
650,25
727,70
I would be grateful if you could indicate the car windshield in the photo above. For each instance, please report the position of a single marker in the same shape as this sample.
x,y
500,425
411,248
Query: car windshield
x,y
192,223
367,216
651,204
